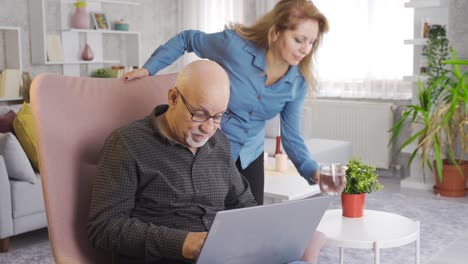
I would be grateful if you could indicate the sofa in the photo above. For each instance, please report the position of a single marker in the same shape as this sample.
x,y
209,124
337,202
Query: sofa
x,y
321,150
21,202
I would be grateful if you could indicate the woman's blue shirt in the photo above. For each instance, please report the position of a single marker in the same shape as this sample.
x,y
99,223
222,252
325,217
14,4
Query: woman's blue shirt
x,y
251,101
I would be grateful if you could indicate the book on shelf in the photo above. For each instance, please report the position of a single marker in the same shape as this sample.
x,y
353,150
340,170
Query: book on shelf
x,y
10,83
54,48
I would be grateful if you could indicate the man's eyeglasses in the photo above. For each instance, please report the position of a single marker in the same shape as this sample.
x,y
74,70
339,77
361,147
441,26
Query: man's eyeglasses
x,y
217,119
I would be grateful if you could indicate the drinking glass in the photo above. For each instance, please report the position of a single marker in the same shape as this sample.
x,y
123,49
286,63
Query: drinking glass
x,y
332,178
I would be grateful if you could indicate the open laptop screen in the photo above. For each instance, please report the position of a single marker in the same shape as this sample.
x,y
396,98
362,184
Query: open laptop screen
x,y
276,233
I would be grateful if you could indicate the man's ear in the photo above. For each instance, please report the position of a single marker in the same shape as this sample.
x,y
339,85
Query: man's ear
x,y
172,96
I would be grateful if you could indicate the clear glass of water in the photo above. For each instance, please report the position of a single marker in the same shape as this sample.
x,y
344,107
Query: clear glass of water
x,y
332,178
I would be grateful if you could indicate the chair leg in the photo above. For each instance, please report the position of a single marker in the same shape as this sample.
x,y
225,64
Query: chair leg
x,y
4,244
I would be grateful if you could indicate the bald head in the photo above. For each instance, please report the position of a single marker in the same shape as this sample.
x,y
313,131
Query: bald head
x,y
204,78
197,102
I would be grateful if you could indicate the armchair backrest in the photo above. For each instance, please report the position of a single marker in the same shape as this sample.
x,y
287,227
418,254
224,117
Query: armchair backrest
x,y
73,117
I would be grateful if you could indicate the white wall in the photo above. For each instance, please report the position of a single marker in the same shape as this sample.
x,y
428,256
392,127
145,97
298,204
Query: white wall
x,y
458,24
157,22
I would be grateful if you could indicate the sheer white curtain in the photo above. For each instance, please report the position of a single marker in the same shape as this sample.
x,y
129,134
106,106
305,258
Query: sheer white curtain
x,y
208,16
263,6
363,55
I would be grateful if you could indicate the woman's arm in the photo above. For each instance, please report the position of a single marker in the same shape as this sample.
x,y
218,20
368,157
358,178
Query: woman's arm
x,y
209,46
292,140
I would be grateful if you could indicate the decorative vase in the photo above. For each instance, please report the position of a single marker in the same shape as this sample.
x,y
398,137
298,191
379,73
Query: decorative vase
x,y
87,53
281,162
80,19
353,204
121,25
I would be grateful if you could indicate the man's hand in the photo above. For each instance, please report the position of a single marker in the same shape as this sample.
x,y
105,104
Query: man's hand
x,y
136,74
193,244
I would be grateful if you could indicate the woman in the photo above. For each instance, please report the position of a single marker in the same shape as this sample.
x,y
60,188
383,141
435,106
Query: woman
x,y
270,69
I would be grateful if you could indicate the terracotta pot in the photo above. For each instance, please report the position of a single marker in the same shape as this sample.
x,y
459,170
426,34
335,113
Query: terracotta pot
x,y
453,183
353,204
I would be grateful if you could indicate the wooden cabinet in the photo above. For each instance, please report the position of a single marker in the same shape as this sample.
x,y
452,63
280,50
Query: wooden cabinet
x,y
74,40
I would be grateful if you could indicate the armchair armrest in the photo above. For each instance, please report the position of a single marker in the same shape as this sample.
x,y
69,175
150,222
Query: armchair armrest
x,y
6,215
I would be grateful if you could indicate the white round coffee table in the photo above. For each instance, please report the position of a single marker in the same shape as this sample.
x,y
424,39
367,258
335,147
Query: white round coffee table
x,y
375,230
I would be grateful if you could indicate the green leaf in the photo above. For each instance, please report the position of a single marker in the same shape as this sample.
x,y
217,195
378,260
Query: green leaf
x,y
360,177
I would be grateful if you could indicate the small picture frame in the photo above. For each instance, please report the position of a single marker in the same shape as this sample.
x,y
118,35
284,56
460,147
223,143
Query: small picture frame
x,y
100,21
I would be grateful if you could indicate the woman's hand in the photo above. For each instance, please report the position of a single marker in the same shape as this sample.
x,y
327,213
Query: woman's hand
x,y
193,244
315,176
136,74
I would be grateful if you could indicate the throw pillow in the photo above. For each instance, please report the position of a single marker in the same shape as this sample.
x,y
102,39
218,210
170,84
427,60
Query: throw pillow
x,y
16,161
6,122
24,130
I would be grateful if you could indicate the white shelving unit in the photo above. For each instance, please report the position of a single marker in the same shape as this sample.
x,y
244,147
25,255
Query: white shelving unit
x,y
416,78
73,39
110,2
418,41
426,3
13,55
435,12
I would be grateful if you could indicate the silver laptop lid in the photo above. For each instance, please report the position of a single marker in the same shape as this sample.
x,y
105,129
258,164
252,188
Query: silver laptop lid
x,y
276,233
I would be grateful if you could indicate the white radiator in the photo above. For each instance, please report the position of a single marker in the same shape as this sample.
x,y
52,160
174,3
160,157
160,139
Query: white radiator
x,y
365,124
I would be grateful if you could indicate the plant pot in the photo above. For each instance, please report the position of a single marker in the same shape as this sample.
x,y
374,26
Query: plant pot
x,y
353,204
453,184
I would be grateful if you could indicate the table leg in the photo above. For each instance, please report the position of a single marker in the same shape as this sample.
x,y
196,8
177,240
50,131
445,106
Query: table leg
x,y
418,244
376,252
341,255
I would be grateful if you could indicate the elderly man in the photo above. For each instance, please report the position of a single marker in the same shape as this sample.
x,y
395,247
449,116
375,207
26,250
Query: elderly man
x,y
162,179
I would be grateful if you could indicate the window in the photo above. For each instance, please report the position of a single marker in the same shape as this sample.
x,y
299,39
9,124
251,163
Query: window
x,y
363,55
209,16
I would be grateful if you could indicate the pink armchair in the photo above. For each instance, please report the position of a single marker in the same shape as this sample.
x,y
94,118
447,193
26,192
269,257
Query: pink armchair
x,y
73,117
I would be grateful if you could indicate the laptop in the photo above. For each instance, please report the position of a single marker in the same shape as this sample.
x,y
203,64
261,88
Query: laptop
x,y
276,233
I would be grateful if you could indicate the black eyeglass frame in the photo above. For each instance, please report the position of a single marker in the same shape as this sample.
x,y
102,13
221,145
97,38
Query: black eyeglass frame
x,y
223,117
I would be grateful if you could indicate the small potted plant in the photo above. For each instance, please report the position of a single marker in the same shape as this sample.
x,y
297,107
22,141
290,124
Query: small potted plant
x,y
361,178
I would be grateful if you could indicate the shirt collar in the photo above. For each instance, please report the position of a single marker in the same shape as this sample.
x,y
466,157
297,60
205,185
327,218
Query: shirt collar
x,y
260,62
157,111
161,109
258,53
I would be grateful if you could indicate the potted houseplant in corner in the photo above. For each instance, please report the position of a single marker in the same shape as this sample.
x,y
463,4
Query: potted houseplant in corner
x,y
441,136
361,178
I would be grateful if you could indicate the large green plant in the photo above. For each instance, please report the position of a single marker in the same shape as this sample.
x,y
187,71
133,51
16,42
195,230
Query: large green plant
x,y
441,125
437,51
360,177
